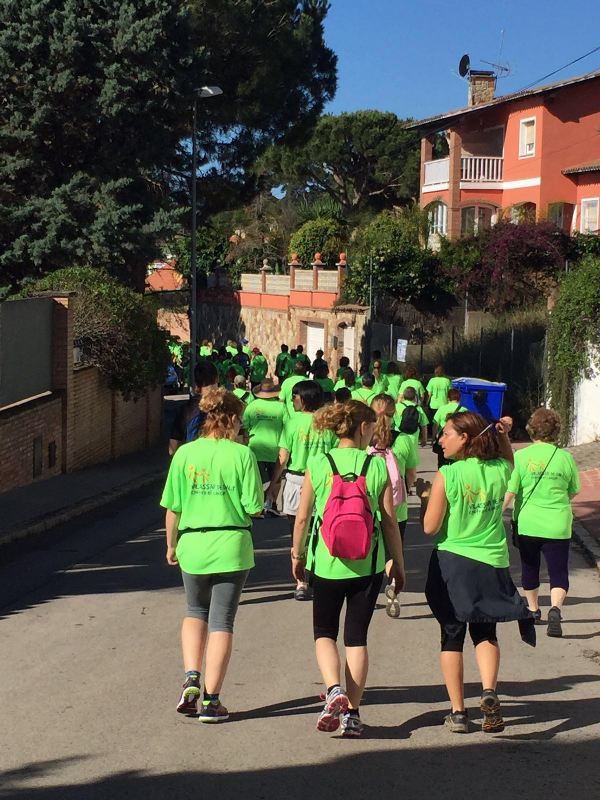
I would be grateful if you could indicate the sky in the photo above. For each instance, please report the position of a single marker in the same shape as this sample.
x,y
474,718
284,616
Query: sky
x,y
402,55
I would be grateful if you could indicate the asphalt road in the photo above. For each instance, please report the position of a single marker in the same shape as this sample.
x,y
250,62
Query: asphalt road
x,y
90,673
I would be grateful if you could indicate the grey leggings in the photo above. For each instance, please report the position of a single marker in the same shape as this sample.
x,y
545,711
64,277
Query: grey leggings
x,y
214,598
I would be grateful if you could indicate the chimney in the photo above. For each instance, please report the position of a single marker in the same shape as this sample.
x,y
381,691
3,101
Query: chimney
x,y
482,84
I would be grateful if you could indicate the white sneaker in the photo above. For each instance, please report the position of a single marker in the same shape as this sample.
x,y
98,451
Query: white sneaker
x,y
393,604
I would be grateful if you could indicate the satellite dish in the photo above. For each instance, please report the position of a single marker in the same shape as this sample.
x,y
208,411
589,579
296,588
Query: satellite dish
x,y
464,66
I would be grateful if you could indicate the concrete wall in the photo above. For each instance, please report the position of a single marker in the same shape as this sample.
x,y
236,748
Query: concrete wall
x,y
586,420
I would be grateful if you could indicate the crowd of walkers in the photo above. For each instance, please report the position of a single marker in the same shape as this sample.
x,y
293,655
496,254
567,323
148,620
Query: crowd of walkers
x,y
337,454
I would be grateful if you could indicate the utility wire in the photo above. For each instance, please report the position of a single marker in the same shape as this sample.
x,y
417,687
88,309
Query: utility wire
x,y
560,69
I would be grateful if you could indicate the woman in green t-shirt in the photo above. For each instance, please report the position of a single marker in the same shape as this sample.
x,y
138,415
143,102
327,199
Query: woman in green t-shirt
x,y
543,482
469,581
212,490
335,580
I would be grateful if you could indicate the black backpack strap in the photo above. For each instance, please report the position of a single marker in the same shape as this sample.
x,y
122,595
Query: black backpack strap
x,y
365,467
332,464
245,396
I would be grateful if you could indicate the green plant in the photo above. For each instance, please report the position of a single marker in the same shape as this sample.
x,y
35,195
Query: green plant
x,y
574,337
115,327
325,236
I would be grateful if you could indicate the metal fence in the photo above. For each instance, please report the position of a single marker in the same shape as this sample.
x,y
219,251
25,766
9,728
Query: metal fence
x,y
25,349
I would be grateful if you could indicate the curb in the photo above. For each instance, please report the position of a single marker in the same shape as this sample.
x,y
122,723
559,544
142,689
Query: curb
x,y
589,545
41,525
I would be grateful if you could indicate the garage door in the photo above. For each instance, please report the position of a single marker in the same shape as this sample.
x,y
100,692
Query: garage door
x,y
315,338
349,332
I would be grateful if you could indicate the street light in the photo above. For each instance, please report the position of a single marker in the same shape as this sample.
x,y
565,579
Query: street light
x,y
202,93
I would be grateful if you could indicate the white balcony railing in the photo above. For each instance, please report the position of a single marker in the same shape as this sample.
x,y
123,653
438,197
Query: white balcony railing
x,y
437,171
473,169
481,169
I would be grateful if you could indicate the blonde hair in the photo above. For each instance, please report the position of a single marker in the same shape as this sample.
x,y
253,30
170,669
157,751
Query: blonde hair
x,y
220,407
344,419
382,405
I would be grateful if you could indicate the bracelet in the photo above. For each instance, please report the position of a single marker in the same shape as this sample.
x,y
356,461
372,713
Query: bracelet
x,y
301,557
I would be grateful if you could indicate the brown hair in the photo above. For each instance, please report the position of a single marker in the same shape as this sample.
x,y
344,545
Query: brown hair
x,y
410,371
382,405
220,406
453,394
344,419
544,425
439,371
482,441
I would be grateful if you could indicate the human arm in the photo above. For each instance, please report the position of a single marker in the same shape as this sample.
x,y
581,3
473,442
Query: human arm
x,y
503,427
300,535
281,464
391,535
434,505
172,531
508,498
173,445
411,476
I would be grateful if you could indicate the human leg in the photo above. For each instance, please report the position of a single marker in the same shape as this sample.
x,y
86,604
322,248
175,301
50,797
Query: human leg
x,y
556,555
194,632
487,654
328,599
361,597
530,548
226,592
451,660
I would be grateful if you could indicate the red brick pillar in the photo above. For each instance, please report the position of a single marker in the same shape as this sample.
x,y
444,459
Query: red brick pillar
x,y
454,211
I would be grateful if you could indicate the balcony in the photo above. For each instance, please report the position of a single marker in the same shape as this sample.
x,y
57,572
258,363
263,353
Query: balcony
x,y
474,171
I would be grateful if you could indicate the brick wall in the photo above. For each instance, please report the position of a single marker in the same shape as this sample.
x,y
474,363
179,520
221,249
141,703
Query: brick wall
x,y
19,427
91,419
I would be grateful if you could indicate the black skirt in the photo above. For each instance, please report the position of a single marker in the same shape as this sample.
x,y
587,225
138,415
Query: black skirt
x,y
460,588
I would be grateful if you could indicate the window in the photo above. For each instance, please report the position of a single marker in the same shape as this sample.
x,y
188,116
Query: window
x,y
561,214
527,138
438,218
589,215
474,219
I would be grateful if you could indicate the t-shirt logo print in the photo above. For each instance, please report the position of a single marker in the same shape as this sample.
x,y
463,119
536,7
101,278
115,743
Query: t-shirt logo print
x,y
473,496
195,475
536,466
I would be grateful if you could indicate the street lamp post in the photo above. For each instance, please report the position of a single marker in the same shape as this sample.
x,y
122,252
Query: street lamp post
x,y
203,92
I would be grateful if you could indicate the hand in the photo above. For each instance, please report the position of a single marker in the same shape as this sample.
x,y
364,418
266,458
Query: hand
x,y
423,488
397,575
171,557
273,491
299,569
504,425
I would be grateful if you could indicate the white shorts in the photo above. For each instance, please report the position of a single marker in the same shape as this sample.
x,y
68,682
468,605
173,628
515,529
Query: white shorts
x,y
291,493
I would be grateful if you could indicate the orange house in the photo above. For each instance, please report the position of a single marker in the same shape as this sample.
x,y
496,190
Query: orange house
x,y
534,152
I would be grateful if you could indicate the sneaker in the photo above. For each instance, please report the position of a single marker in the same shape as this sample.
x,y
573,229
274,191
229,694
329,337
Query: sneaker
x,y
554,619
270,509
352,727
457,722
537,616
188,702
213,712
393,604
302,592
336,703
492,716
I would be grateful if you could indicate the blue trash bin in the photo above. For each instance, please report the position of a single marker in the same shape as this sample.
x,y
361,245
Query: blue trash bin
x,y
483,397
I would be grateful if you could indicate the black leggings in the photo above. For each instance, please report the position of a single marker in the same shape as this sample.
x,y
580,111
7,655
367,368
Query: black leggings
x,y
453,634
556,553
360,595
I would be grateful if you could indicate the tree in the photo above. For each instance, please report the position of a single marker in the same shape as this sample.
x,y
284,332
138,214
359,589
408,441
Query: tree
x,y
366,158
96,111
115,327
325,236
508,267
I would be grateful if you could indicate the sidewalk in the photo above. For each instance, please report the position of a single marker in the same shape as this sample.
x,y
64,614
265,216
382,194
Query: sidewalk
x,y
43,505
586,506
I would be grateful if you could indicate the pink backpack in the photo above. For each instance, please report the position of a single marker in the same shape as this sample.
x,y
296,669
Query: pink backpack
x,y
347,525
397,481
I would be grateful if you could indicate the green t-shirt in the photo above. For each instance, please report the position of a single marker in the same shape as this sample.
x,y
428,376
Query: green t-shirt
x,y
407,455
443,412
303,359
245,395
547,513
231,350
263,419
384,365
393,387
246,349
341,384
380,386
214,483
222,368
284,366
258,369
364,395
348,460
285,393
438,389
415,384
302,441
473,525
205,351
326,384
423,421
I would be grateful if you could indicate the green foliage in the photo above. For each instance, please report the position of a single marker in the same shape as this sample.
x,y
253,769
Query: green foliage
x,y
96,114
211,250
391,247
574,337
366,158
115,327
507,267
325,236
